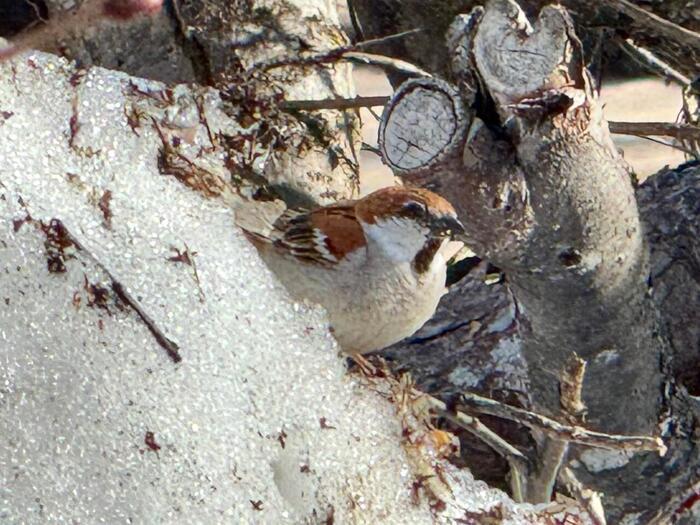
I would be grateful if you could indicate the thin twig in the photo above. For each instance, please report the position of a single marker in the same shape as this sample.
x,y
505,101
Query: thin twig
x,y
355,21
329,56
376,116
663,129
385,62
516,460
37,12
170,346
669,145
589,499
654,63
687,135
574,434
371,149
595,66
333,103
640,129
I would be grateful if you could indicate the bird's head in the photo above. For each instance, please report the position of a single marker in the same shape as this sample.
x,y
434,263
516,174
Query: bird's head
x,y
402,221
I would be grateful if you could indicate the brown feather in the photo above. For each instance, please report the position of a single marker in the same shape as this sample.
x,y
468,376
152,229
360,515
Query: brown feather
x,y
304,235
424,258
340,219
391,201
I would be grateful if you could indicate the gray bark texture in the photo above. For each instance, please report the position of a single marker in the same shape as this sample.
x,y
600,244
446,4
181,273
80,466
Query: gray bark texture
x,y
592,265
594,20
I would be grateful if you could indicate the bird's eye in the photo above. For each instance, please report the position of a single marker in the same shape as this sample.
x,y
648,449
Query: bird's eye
x,y
414,209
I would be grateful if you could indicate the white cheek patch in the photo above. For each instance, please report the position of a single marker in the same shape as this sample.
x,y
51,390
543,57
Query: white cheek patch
x,y
398,239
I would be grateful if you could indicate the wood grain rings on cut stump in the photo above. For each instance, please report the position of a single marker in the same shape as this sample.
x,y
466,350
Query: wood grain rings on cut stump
x,y
424,125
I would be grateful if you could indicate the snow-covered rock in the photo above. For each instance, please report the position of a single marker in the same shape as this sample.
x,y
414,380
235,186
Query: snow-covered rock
x,y
257,423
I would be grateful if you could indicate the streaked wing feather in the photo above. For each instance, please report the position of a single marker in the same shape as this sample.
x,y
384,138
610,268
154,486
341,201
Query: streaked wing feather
x,y
303,235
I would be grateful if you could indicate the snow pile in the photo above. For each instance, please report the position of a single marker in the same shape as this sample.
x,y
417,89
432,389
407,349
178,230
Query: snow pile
x,y
151,370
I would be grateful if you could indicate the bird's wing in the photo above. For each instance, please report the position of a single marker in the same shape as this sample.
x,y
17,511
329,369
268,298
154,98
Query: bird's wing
x,y
324,236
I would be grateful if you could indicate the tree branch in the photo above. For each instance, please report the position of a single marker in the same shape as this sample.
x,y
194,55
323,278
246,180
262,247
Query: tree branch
x,y
554,449
574,434
589,499
334,103
656,24
683,132
649,60
665,129
387,63
329,56
517,462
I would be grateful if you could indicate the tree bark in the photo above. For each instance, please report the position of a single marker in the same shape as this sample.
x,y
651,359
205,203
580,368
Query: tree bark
x,y
594,21
558,214
527,160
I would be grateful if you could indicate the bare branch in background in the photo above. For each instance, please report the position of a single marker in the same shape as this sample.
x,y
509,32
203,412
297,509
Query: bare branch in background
x,y
334,103
656,25
647,59
330,56
386,63
681,132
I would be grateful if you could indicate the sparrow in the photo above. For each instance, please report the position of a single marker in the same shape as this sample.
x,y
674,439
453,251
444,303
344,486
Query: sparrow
x,y
375,264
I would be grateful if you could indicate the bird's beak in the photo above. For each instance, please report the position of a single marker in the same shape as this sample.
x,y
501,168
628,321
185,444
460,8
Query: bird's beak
x,y
447,226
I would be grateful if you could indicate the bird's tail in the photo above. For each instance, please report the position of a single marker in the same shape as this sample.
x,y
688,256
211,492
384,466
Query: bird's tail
x,y
257,219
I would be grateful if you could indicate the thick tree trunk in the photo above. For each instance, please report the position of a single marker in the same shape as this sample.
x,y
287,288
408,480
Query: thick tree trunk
x,y
558,213
523,152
